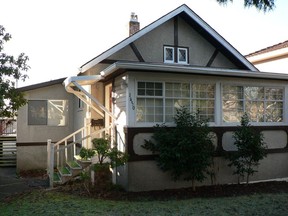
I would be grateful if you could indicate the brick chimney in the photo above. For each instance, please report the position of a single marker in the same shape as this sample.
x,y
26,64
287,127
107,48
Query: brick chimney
x,y
134,25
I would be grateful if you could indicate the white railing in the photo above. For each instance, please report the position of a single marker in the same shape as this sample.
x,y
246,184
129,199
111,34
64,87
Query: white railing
x,y
65,149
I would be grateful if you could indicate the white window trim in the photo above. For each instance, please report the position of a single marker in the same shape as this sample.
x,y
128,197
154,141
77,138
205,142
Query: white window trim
x,y
178,52
173,54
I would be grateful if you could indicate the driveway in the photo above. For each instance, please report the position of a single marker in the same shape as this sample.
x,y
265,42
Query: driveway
x,y
11,184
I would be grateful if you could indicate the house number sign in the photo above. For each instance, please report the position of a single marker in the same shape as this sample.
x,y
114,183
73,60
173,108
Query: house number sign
x,y
131,101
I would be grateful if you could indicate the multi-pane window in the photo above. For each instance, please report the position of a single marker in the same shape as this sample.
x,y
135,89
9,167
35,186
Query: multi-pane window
x,y
169,54
150,102
157,102
47,112
262,104
203,100
181,56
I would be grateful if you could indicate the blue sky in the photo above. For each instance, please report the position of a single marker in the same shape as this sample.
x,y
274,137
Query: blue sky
x,y
61,35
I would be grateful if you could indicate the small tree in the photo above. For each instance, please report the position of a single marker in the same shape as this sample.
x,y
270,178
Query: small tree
x,y
250,149
107,155
107,158
185,151
11,70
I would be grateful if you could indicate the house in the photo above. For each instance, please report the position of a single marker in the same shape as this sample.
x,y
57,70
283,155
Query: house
x,y
271,59
48,114
178,60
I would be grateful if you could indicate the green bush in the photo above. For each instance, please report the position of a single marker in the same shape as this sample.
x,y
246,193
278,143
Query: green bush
x,y
86,154
250,150
108,155
186,151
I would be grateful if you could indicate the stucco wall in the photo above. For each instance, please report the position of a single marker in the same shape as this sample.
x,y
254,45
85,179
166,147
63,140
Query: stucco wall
x,y
40,133
142,173
31,157
146,175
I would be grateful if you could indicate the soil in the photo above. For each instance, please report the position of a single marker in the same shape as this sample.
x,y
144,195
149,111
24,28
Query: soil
x,y
107,191
184,193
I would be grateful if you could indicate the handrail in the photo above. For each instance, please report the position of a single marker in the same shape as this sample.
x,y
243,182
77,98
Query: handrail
x,y
83,138
71,135
55,148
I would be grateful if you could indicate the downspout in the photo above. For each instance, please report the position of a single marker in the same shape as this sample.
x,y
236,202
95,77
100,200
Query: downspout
x,y
73,80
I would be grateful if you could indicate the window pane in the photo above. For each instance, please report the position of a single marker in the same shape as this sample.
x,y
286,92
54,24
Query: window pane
x,y
274,94
182,55
169,54
255,110
254,93
37,112
274,112
57,112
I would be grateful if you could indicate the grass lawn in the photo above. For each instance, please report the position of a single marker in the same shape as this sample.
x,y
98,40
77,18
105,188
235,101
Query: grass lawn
x,y
42,202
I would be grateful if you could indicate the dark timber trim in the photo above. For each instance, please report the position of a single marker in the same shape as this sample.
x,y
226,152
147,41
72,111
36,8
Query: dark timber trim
x,y
130,133
176,38
136,52
212,58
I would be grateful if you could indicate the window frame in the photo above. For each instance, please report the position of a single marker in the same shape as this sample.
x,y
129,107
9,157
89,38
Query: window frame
x,y
190,98
264,100
175,54
48,118
178,55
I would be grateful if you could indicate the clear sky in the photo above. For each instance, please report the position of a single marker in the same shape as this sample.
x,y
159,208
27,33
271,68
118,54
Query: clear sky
x,y
61,35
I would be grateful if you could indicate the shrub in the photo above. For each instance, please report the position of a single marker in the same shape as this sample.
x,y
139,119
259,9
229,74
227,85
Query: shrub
x,y
108,155
185,151
86,154
250,149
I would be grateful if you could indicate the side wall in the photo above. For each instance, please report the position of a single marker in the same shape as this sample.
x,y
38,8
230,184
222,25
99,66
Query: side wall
x,y
32,139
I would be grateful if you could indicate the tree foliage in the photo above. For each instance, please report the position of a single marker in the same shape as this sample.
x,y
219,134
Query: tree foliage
x,y
12,69
186,151
104,151
250,149
264,5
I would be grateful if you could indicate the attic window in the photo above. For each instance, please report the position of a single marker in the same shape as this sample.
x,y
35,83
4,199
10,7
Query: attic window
x,y
181,56
169,54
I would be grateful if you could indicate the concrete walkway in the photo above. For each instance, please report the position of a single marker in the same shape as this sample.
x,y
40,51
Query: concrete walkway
x,y
11,184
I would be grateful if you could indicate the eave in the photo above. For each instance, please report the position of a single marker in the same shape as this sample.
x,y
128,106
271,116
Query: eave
x,y
183,69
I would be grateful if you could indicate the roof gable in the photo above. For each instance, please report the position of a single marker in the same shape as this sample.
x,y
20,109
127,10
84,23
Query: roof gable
x,y
196,22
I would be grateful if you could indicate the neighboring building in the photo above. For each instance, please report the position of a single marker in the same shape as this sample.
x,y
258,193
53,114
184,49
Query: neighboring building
x,y
271,59
178,60
48,114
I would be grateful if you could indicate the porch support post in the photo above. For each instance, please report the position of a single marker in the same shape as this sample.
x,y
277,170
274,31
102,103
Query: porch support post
x,y
50,162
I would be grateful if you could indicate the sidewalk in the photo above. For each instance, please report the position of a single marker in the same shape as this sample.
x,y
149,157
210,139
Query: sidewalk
x,y
10,183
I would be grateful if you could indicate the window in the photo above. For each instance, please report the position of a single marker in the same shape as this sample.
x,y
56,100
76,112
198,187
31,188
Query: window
x,y
181,55
262,104
47,112
80,104
157,102
169,54
150,102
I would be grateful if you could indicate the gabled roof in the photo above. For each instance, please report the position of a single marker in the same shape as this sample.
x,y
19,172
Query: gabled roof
x,y
41,85
195,21
269,49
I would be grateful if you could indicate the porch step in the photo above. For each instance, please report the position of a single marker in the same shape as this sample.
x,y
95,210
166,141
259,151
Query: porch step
x,y
70,170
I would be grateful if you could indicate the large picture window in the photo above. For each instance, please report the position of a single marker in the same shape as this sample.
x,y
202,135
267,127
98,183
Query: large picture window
x,y
47,112
262,104
157,102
